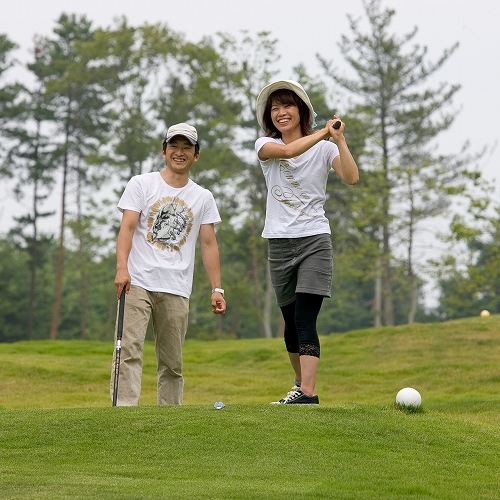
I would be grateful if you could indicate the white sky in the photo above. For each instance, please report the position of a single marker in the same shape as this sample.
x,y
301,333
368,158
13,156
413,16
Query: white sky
x,y
305,28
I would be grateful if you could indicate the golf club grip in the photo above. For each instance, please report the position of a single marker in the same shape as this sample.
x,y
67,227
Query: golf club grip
x,y
337,124
121,312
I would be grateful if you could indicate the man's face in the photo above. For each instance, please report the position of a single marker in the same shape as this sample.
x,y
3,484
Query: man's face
x,y
179,154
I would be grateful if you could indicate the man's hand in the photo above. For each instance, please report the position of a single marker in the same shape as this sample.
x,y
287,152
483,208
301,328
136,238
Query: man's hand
x,y
122,280
218,303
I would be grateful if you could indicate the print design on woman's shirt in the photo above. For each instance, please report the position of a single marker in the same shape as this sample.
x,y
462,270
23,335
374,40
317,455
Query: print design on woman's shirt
x,y
169,223
287,195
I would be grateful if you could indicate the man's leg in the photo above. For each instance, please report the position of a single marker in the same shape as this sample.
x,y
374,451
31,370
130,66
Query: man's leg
x,y
170,321
135,323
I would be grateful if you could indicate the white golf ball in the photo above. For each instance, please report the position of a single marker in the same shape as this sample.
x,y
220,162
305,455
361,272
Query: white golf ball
x,y
409,397
484,313
218,405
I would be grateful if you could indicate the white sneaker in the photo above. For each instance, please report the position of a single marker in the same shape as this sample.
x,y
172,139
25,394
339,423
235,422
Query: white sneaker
x,y
290,394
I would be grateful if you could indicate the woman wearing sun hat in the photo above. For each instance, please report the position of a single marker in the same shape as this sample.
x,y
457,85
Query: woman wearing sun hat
x,y
296,161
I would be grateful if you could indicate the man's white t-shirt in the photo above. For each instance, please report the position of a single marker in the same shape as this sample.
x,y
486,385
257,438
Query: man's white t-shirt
x,y
164,242
296,191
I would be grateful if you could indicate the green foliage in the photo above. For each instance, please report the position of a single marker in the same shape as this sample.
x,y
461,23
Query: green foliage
x,y
472,283
403,116
11,105
96,114
13,306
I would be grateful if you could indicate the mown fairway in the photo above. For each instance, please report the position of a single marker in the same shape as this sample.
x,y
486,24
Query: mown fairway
x,y
59,437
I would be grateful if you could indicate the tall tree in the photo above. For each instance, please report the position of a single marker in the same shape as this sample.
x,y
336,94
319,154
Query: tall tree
x,y
74,93
202,92
31,159
10,105
253,59
137,60
390,79
19,109
468,272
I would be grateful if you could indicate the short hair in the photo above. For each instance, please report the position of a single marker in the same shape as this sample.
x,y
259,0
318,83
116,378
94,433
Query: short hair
x,y
196,147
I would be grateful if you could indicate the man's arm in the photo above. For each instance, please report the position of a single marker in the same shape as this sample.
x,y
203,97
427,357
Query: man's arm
x,y
211,262
129,222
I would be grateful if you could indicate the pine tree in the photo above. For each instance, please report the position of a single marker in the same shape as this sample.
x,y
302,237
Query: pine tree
x,y
390,75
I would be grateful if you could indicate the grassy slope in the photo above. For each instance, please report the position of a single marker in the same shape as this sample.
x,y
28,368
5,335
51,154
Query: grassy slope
x,y
455,366
59,438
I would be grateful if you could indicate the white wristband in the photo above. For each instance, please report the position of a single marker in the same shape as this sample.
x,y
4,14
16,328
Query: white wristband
x,y
220,290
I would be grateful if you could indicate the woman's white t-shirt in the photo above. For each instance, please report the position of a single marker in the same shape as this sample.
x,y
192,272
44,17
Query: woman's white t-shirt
x,y
164,242
296,191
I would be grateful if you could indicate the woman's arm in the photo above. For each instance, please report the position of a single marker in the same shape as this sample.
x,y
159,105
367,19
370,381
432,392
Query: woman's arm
x,y
294,148
344,164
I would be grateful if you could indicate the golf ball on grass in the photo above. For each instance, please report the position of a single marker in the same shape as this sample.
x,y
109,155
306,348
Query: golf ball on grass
x,y
484,313
408,398
218,405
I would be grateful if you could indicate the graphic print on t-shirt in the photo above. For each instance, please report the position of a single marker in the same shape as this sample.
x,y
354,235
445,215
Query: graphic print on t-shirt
x,y
292,195
169,223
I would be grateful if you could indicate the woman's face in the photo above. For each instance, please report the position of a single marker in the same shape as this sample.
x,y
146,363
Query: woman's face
x,y
285,117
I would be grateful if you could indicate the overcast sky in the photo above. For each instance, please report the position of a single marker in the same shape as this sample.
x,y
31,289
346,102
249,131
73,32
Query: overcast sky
x,y
305,28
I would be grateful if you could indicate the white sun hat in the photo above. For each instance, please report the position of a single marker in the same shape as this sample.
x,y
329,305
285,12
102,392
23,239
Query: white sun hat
x,y
277,85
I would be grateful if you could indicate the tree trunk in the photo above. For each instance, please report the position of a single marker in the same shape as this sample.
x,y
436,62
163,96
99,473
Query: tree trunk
x,y
83,303
56,309
33,267
378,296
413,299
82,260
411,275
388,303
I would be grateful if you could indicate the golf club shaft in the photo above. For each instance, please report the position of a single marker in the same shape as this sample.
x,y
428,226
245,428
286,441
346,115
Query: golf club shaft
x,y
119,333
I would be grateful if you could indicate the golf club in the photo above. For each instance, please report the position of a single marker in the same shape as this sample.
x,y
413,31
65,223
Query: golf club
x,y
337,124
119,332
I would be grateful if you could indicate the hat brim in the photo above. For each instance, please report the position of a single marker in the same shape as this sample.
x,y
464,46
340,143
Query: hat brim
x,y
278,85
192,141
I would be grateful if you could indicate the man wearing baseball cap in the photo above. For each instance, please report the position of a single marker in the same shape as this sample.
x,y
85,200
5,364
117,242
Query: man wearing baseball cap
x,y
163,215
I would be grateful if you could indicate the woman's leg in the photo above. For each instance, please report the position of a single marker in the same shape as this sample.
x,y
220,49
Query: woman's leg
x,y
292,340
307,308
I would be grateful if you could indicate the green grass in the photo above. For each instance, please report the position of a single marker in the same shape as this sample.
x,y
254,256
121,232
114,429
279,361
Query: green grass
x,y
59,437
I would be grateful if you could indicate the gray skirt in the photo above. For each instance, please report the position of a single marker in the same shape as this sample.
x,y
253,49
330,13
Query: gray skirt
x,y
303,265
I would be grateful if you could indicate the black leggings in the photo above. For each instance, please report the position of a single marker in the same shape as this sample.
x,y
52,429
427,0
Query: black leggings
x,y
301,335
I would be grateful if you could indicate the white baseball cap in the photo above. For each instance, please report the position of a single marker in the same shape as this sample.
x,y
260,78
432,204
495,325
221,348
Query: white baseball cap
x,y
277,85
187,131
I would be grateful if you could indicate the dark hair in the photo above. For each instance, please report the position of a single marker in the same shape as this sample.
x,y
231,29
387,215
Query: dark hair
x,y
286,96
196,147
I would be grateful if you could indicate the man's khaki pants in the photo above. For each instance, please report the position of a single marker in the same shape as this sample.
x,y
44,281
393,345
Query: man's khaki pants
x,y
170,320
